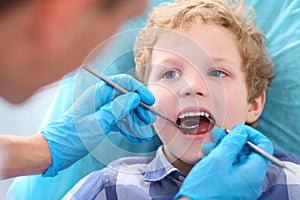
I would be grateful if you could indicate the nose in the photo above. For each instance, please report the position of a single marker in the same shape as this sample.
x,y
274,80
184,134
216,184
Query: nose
x,y
194,84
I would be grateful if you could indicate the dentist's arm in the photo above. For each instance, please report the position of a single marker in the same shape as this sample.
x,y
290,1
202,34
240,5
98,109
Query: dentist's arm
x,y
23,155
98,111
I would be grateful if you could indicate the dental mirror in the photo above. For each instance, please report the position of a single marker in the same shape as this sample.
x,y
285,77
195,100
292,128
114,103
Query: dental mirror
x,y
184,125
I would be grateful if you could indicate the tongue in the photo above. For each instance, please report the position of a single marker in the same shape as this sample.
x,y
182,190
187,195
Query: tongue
x,y
203,128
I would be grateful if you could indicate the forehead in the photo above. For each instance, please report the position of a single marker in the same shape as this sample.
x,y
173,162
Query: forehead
x,y
198,43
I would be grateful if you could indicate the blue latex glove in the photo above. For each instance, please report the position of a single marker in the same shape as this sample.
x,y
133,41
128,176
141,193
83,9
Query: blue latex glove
x,y
98,111
223,174
218,134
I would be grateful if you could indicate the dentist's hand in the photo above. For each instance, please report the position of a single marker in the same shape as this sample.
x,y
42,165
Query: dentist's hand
x,y
98,111
230,170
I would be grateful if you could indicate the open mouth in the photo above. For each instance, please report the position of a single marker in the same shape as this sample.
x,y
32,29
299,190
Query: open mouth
x,y
195,123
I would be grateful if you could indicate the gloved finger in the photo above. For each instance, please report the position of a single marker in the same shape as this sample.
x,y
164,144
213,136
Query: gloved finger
x,y
208,147
126,81
135,133
146,95
242,155
233,143
91,99
124,109
124,104
132,85
259,139
105,93
217,134
131,138
147,116
133,125
254,163
116,110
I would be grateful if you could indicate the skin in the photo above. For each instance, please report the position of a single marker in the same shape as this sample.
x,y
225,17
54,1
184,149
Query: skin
x,y
212,81
40,41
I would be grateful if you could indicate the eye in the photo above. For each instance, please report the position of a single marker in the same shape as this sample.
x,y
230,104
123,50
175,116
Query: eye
x,y
170,74
217,73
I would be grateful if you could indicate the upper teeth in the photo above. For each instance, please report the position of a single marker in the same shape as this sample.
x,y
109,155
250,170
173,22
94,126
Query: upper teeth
x,y
192,114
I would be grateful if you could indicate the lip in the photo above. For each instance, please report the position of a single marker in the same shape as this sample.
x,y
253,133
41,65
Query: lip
x,y
195,137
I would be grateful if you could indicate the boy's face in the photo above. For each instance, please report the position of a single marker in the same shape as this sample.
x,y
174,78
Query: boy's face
x,y
203,77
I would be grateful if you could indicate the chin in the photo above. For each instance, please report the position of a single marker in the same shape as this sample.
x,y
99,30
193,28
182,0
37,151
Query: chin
x,y
18,97
192,158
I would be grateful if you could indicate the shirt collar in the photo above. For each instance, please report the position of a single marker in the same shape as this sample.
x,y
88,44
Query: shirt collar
x,y
159,167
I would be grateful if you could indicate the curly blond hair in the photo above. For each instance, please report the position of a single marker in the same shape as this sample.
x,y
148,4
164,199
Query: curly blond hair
x,y
233,15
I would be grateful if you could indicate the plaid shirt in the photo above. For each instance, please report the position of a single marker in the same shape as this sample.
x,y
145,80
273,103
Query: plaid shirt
x,y
156,178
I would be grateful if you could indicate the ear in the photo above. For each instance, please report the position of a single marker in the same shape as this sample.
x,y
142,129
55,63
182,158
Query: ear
x,y
255,108
53,21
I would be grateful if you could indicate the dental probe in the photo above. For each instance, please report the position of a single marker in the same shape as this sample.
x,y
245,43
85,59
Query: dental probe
x,y
153,110
262,152
124,91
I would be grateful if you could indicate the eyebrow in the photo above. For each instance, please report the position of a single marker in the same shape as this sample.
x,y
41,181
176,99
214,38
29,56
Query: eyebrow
x,y
181,60
218,59
172,60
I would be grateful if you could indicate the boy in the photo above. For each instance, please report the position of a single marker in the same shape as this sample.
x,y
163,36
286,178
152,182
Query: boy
x,y
204,62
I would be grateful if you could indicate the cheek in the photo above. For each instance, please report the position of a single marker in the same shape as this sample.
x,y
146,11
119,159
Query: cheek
x,y
165,103
236,107
166,100
229,103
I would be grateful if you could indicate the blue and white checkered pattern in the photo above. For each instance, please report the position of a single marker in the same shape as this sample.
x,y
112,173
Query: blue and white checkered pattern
x,y
157,178
281,184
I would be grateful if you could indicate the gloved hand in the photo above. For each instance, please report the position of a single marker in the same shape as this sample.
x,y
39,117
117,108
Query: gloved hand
x,y
217,134
224,173
98,111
